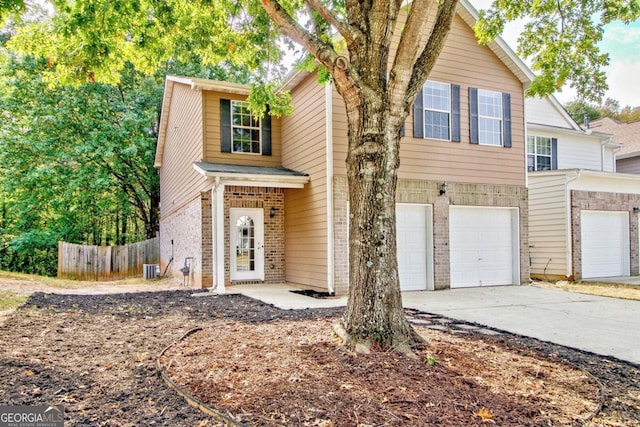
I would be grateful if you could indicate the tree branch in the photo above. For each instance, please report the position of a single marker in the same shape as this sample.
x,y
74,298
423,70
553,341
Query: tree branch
x,y
433,47
324,52
411,41
344,30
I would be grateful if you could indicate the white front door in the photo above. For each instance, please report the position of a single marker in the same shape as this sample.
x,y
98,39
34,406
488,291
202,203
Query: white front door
x,y
246,227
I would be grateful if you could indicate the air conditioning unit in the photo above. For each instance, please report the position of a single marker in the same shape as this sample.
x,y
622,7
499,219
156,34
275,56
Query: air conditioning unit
x,y
150,271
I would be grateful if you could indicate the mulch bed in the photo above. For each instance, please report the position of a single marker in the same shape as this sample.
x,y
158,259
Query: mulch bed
x,y
96,356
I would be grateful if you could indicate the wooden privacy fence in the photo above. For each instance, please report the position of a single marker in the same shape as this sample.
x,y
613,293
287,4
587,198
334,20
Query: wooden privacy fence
x,y
86,262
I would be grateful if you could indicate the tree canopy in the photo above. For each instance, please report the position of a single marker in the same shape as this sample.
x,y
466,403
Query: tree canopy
x,y
377,53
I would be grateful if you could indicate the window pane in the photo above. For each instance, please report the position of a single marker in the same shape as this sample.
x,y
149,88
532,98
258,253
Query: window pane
x,y
531,145
490,103
531,163
544,146
436,96
544,163
245,129
490,131
436,125
437,109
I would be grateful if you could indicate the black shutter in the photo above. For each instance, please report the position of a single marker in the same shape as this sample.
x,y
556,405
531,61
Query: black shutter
x,y
418,117
506,119
473,115
225,125
554,153
266,133
455,113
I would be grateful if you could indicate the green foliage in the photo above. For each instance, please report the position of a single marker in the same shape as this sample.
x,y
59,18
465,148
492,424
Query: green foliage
x,y
577,109
561,39
609,108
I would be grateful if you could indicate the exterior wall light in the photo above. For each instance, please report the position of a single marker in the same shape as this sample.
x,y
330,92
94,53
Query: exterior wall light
x,y
443,188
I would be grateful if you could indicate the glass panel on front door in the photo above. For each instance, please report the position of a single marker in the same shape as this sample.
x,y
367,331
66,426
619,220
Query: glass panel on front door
x,y
245,244
246,238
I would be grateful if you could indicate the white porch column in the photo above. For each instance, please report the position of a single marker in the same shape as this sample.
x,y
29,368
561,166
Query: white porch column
x,y
217,216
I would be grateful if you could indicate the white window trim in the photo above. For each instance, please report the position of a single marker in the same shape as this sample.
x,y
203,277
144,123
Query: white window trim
x,y
259,128
535,154
501,119
425,108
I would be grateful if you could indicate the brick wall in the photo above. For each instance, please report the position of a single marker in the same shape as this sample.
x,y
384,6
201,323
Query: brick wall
x,y
184,229
428,192
265,199
601,201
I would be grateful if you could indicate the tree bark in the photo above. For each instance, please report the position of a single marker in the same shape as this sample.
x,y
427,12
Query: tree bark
x,y
374,311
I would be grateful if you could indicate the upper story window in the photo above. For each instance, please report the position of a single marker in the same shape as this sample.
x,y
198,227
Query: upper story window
x,y
240,132
489,117
245,129
437,110
539,153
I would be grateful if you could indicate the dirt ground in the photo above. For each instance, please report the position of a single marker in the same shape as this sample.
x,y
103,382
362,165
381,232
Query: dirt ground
x,y
97,356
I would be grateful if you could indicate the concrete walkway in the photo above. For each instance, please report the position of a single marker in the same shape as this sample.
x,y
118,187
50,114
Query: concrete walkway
x,y
605,326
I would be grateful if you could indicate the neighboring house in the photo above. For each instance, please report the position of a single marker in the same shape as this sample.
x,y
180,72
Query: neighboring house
x,y
628,134
263,201
583,216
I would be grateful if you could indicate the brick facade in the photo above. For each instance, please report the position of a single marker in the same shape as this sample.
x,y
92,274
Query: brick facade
x,y
428,192
602,201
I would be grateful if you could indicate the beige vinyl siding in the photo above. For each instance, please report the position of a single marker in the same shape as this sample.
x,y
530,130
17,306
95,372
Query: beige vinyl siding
x,y
630,165
304,149
212,136
466,63
179,182
548,225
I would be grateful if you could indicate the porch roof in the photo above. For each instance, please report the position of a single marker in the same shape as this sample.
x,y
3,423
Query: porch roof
x,y
259,176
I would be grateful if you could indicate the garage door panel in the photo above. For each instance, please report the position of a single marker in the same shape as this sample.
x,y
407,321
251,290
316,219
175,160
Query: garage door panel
x,y
482,246
413,231
605,243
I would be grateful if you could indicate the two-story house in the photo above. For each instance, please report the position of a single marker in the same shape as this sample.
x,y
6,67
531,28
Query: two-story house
x,y
583,215
263,201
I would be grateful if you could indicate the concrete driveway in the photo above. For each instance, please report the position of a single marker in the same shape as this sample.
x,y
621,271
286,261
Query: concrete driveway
x,y
605,326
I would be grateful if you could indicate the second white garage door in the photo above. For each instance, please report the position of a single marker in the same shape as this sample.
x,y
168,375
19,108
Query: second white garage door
x,y
483,246
415,240
605,243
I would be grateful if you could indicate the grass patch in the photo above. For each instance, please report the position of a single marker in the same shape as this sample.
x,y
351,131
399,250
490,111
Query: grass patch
x,y
68,283
611,290
10,300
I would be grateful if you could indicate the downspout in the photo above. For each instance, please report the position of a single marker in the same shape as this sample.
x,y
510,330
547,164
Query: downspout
x,y
569,251
329,171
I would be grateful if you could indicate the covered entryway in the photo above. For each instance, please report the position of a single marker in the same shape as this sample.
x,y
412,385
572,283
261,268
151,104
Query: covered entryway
x,y
484,246
414,237
605,243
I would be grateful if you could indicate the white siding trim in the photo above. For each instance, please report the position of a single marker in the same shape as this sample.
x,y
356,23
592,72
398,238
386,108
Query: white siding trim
x,y
329,177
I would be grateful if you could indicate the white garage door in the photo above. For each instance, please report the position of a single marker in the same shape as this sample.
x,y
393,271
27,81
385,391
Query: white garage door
x,y
605,243
414,240
483,246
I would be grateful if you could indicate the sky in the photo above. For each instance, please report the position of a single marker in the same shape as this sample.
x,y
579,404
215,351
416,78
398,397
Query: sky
x,y
621,42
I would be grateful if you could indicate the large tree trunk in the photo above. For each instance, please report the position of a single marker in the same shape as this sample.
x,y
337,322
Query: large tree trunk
x,y
374,310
